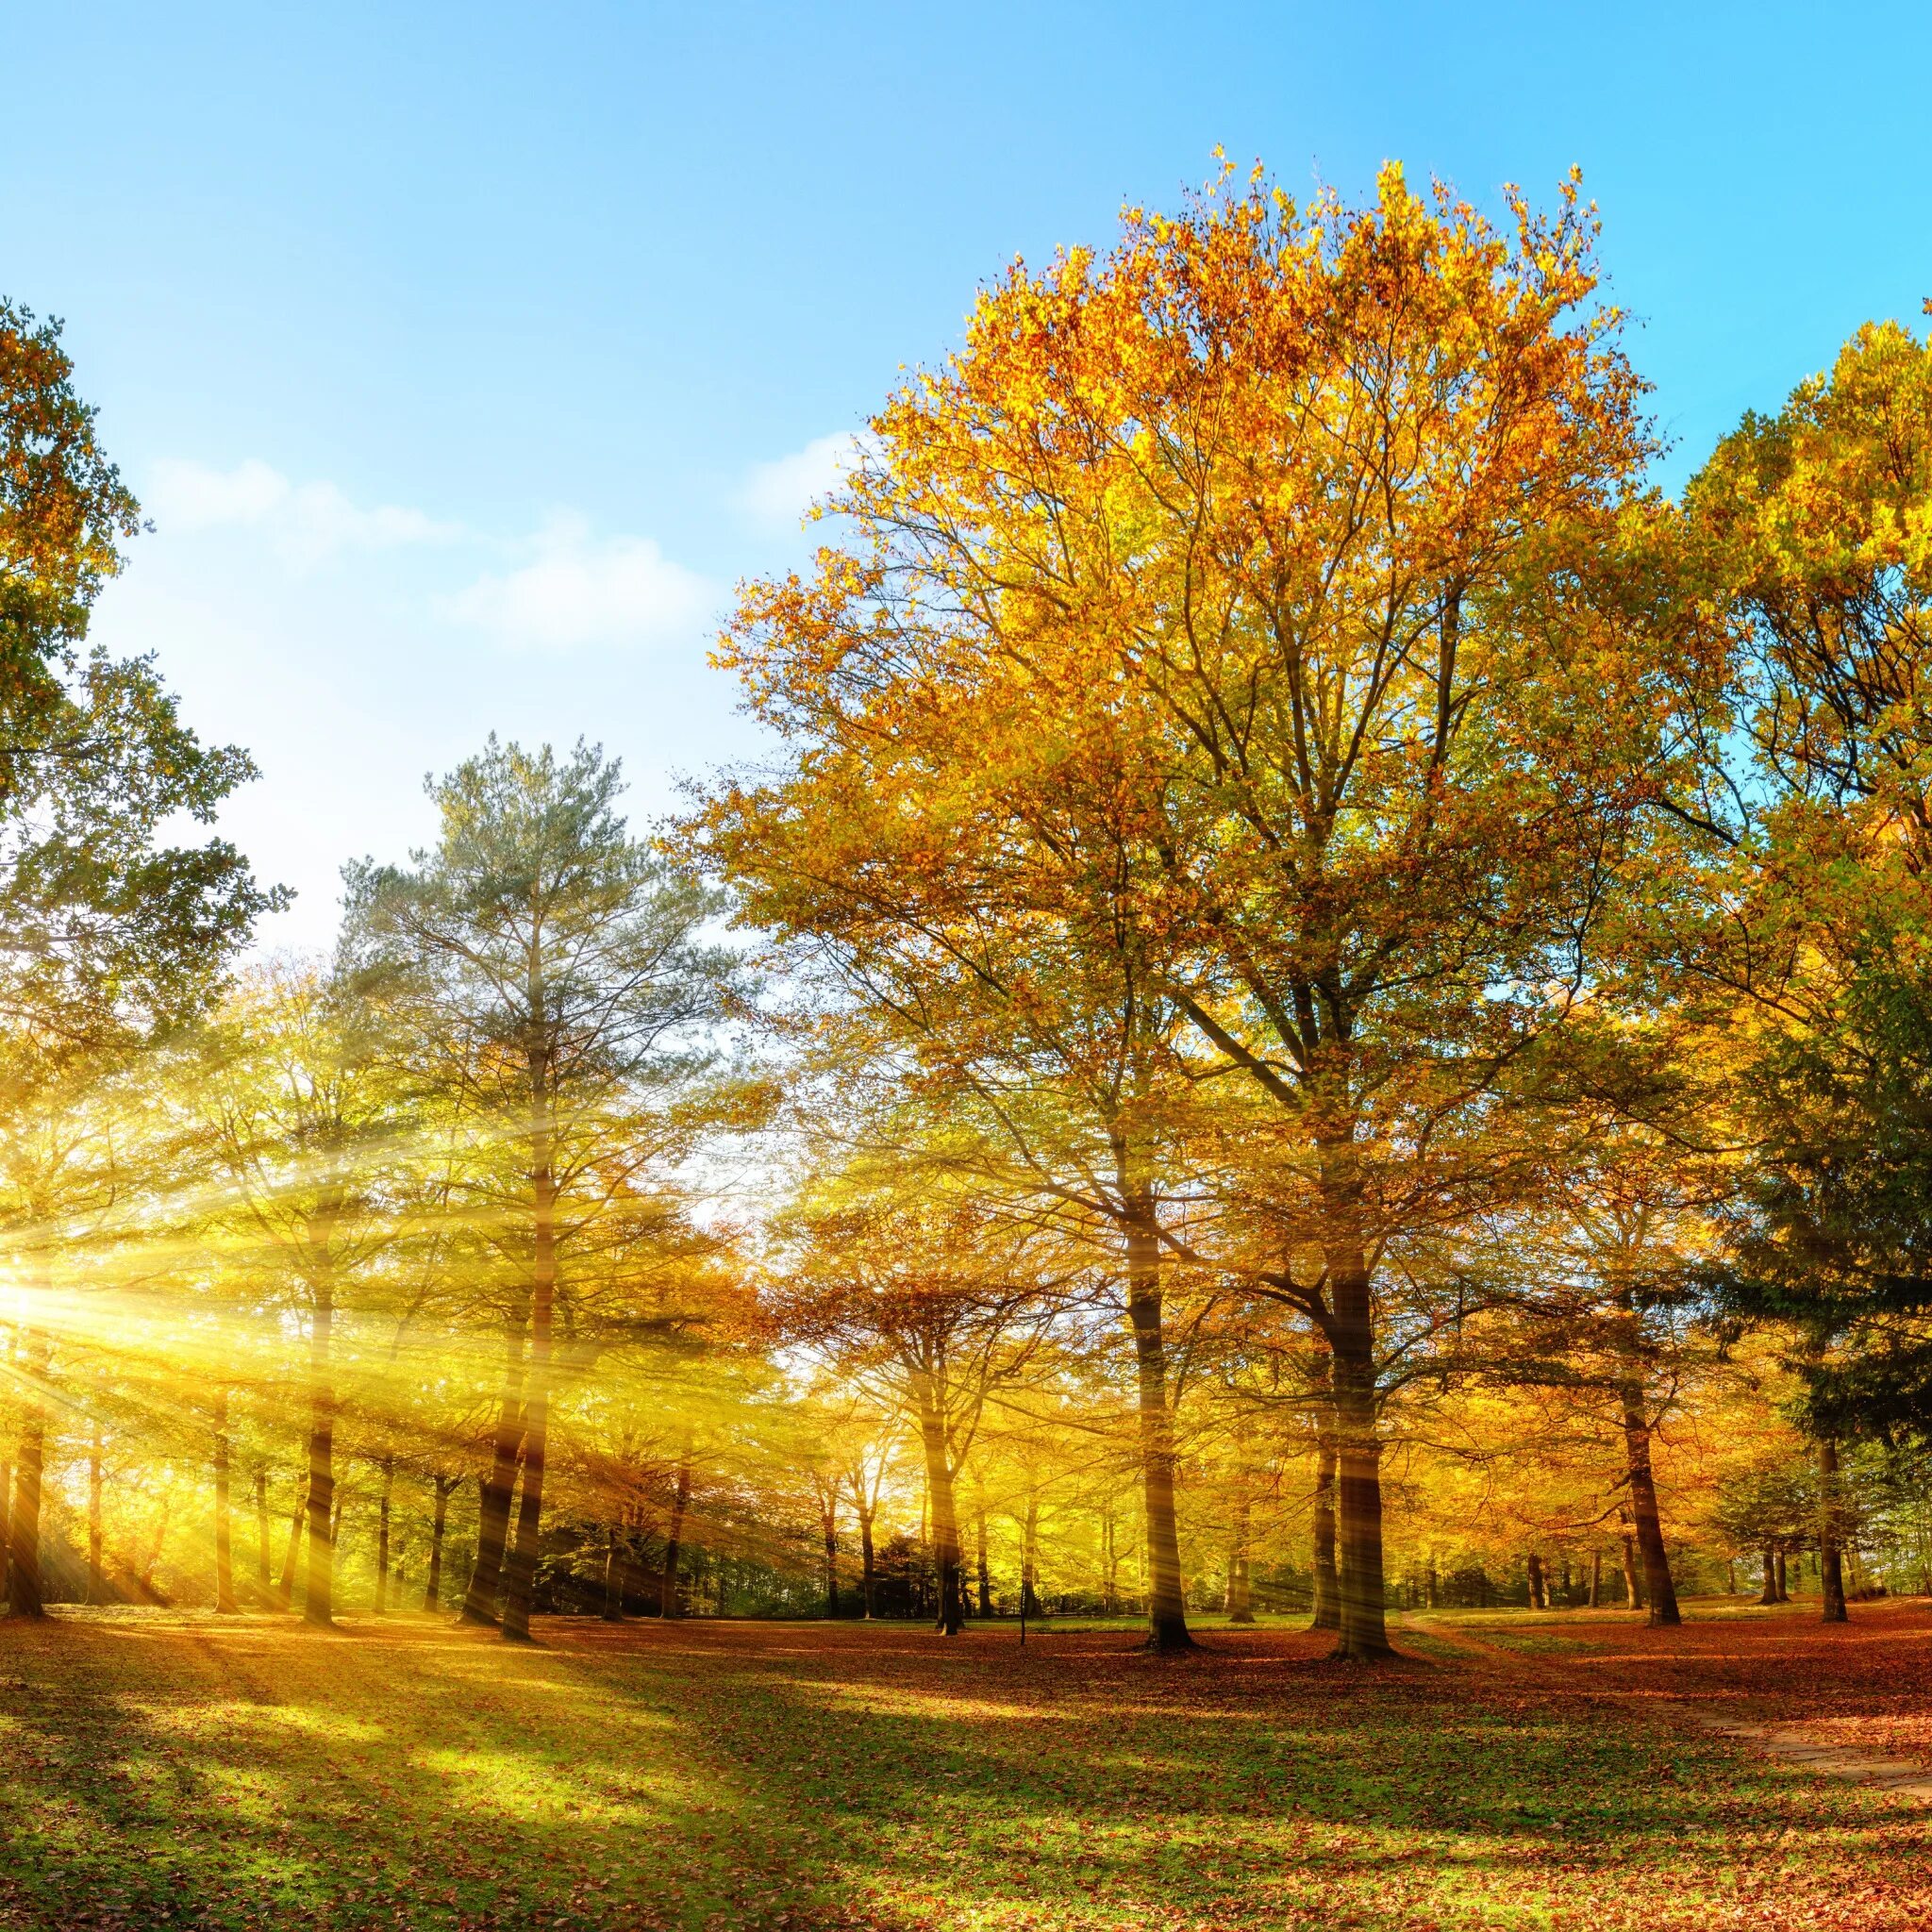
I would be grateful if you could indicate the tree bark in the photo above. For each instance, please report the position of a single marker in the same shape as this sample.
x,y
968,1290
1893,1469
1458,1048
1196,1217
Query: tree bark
x,y
1167,1611
1363,1634
1768,1595
1596,1579
1783,1595
285,1589
1831,1570
668,1604
951,1618
319,1604
432,1589
1538,1593
1659,1588
497,1490
225,1578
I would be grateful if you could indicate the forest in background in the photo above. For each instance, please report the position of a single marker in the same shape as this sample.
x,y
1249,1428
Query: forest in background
x,y
1323,998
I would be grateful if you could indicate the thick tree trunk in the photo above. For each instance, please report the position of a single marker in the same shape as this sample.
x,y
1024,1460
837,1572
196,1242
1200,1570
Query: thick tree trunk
x,y
1633,1584
1596,1579
26,1591
319,1603
1768,1595
438,1523
1364,1634
1831,1570
262,1568
1327,1612
1167,1610
1659,1588
524,1551
1783,1595
951,1618
497,1490
1538,1593
225,1578
668,1602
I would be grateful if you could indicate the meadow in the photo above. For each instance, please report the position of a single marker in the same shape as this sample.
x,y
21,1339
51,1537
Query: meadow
x,y
176,1769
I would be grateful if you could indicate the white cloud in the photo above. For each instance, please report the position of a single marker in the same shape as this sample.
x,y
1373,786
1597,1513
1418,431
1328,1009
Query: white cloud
x,y
580,589
302,522
779,492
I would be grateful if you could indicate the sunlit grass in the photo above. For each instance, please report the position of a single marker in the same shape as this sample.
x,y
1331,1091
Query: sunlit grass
x,y
165,1771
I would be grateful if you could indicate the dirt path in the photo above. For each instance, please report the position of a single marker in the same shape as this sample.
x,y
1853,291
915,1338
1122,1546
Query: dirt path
x,y
1789,1744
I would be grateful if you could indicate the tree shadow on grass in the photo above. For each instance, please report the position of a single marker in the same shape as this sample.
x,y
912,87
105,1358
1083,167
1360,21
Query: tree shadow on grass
x,y
1075,1785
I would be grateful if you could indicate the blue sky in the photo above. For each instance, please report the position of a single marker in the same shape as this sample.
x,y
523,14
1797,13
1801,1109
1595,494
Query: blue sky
x,y
465,356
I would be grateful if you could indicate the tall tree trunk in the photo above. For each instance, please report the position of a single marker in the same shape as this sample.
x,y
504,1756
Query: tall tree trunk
x,y
388,1481
1596,1579
1661,1592
225,1578
524,1551
262,1572
1364,1634
945,1520
1533,1570
25,1590
1326,1589
1783,1595
1768,1595
318,1605
285,1589
498,1488
1167,1610
1633,1584
1831,1570
868,1562
445,1486
668,1604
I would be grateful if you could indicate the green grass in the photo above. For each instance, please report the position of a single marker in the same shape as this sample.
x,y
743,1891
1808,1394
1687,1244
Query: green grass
x,y
178,1771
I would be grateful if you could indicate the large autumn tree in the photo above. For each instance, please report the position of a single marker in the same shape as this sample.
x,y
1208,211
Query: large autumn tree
x,y
1286,565
551,976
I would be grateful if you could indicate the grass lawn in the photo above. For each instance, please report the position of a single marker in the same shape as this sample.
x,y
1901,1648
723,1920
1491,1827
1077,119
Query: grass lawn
x,y
165,1770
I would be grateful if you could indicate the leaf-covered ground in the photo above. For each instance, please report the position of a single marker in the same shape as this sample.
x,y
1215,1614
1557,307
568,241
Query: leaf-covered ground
x,y
160,1769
